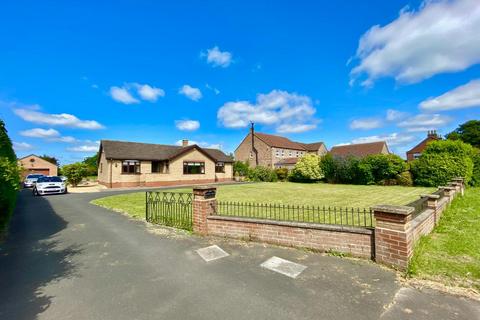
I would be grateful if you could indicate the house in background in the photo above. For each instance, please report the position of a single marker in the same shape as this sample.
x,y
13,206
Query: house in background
x,y
360,150
416,151
129,164
33,164
267,150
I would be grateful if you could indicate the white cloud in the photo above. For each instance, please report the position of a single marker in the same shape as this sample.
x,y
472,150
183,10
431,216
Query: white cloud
x,y
218,58
395,115
288,112
88,147
365,124
62,119
121,94
149,93
424,122
190,92
133,92
187,125
201,144
394,139
465,96
215,90
84,148
21,146
47,134
441,36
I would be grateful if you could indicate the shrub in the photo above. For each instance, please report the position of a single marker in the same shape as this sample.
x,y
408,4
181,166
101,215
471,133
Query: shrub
x,y
241,167
307,169
476,169
262,174
75,172
405,179
443,160
282,174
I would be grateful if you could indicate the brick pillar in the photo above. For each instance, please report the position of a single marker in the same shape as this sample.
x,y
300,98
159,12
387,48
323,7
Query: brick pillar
x,y
204,204
432,203
393,239
461,183
449,192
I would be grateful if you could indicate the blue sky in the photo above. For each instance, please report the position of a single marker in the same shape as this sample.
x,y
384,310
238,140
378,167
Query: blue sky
x,y
73,73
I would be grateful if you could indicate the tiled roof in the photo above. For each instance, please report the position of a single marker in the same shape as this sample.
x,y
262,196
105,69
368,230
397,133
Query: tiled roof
x,y
358,150
123,150
422,145
288,161
282,142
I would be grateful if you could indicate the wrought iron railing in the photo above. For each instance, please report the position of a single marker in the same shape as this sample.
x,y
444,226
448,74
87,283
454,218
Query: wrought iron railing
x,y
344,216
172,209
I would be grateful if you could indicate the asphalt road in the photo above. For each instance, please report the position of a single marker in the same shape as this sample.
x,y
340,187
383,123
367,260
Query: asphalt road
x,y
67,259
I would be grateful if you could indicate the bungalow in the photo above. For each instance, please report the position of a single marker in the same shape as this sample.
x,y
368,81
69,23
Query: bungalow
x,y
360,150
129,164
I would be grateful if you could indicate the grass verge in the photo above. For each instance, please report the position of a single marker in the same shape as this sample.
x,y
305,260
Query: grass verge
x,y
451,253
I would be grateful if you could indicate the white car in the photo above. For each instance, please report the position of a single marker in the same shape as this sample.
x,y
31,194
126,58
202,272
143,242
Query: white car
x,y
49,185
31,179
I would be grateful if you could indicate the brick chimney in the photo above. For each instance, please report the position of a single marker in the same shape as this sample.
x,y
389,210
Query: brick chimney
x,y
432,134
185,143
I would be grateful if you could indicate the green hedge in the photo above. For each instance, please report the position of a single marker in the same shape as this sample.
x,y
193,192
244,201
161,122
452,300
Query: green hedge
x,y
9,177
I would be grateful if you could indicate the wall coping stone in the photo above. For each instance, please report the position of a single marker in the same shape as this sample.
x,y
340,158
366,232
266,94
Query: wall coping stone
x,y
204,187
447,188
430,196
387,208
303,225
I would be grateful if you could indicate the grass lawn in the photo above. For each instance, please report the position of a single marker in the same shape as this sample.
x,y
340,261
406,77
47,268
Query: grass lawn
x,y
451,254
285,193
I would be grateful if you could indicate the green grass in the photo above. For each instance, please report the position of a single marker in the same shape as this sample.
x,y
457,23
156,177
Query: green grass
x,y
285,193
451,254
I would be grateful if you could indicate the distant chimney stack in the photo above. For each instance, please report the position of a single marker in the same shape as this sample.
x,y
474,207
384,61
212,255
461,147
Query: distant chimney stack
x,y
185,143
432,134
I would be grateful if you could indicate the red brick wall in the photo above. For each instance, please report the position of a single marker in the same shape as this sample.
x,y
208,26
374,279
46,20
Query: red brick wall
x,y
354,241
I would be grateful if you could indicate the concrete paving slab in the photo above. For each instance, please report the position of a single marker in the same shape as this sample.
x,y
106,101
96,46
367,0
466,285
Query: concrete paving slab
x,y
285,267
212,253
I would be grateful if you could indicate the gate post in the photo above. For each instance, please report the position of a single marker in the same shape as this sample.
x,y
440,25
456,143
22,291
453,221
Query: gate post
x,y
204,205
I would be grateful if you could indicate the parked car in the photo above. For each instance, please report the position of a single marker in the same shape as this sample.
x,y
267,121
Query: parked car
x,y
49,185
30,180
64,179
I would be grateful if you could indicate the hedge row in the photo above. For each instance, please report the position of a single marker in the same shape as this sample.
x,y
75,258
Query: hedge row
x,y
9,177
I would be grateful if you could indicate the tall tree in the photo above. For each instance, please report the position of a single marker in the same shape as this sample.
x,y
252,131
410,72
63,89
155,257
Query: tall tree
x,y
468,132
50,159
6,148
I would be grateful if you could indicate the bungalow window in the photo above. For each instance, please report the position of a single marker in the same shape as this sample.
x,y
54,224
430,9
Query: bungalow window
x,y
159,167
131,167
220,167
193,167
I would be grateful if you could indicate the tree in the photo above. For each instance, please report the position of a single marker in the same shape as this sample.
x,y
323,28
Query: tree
x,y
9,176
92,164
75,172
241,168
50,159
468,132
307,169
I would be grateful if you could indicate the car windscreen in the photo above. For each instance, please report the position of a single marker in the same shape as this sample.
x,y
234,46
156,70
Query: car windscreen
x,y
49,179
34,176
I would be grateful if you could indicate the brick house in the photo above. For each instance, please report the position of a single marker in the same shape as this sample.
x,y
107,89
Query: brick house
x,y
360,150
130,164
416,151
274,151
33,164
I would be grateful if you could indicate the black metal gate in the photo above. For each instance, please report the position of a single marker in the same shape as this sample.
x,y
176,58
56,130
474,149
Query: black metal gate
x,y
172,209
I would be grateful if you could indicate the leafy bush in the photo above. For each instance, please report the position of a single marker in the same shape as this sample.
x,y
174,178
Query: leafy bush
x,y
282,174
405,179
9,177
92,165
476,169
443,160
307,169
241,167
262,174
383,168
75,172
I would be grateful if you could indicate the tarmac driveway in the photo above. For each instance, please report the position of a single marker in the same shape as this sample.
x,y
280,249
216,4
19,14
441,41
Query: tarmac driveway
x,y
67,259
